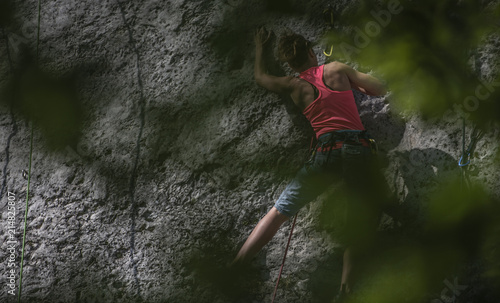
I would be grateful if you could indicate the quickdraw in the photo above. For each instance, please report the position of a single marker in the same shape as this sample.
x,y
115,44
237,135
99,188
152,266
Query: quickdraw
x,y
475,136
328,16
468,153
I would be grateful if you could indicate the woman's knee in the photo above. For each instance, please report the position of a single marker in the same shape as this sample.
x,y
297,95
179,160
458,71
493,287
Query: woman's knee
x,y
278,216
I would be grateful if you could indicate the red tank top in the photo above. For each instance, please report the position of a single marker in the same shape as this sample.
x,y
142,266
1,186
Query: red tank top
x,y
332,110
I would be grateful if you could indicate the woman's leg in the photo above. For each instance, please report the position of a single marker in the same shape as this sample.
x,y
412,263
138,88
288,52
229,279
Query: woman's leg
x,y
345,285
261,235
365,187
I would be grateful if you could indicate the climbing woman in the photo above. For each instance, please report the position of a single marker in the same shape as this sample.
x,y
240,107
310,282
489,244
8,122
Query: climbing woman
x,y
344,150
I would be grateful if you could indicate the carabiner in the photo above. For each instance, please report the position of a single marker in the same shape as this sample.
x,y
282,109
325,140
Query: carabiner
x,y
464,164
329,54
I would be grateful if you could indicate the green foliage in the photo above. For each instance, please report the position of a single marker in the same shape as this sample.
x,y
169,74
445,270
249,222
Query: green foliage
x,y
422,48
451,206
460,226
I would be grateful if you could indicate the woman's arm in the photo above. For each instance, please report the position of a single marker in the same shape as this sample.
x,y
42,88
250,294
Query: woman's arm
x,y
282,85
363,82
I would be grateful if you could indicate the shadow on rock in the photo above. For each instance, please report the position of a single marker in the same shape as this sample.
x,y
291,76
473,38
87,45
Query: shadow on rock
x,y
215,280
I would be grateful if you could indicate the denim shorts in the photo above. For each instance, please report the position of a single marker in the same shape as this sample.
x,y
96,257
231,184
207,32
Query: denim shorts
x,y
354,164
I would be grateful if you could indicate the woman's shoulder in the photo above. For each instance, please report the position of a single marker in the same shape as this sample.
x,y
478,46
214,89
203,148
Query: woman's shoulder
x,y
335,66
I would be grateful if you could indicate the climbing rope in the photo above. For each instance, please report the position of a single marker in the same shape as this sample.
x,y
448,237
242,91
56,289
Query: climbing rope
x,y
312,150
284,258
29,169
466,153
26,215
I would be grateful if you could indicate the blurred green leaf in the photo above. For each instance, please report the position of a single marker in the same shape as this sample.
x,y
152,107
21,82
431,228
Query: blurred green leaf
x,y
422,49
453,205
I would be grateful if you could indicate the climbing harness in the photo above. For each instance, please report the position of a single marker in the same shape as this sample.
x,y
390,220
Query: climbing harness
x,y
284,257
328,16
29,170
346,141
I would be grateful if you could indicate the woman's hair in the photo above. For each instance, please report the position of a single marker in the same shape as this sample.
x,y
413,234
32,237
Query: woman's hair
x,y
293,48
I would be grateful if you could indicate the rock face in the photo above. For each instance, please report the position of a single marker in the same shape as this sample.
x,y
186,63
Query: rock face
x,y
146,183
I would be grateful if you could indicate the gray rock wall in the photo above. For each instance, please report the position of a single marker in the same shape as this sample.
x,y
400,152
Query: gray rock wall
x,y
155,154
